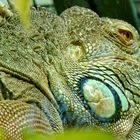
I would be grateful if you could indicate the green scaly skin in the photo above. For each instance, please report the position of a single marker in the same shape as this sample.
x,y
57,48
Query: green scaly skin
x,y
72,70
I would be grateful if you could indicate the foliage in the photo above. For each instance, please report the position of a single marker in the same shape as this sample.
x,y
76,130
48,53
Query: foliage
x,y
23,9
72,135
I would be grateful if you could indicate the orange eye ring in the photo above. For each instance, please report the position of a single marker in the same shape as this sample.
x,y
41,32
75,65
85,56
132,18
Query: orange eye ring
x,y
125,36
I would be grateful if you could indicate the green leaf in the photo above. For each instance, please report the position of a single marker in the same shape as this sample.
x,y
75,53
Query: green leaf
x,y
91,134
23,9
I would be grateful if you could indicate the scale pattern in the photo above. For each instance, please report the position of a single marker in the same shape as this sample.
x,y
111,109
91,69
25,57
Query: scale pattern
x,y
72,70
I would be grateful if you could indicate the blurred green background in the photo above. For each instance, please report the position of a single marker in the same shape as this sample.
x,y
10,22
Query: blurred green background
x,y
72,135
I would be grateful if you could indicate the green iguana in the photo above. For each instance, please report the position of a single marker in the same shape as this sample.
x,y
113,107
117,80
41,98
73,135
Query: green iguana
x,y
73,70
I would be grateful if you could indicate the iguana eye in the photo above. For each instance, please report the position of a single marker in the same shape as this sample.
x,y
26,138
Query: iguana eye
x,y
125,36
105,99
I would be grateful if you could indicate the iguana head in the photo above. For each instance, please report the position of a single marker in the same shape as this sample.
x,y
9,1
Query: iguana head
x,y
102,71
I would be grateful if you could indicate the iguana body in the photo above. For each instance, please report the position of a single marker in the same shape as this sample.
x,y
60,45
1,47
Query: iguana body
x,y
70,71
